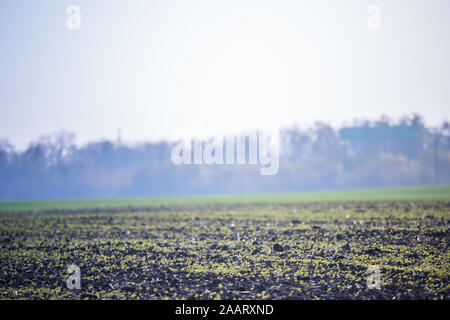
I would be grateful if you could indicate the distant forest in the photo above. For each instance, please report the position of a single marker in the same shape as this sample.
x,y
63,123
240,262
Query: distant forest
x,y
366,154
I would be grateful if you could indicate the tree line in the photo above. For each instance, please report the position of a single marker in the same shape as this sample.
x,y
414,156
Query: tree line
x,y
315,158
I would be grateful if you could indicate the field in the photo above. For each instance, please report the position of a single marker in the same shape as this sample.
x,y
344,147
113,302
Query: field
x,y
323,245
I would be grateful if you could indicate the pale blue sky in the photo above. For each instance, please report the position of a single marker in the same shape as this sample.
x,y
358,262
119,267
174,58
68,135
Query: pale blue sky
x,y
165,69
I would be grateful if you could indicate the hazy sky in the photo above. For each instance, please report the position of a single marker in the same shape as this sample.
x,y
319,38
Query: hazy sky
x,y
162,69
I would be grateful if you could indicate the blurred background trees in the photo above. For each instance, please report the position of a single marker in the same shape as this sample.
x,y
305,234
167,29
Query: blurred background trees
x,y
365,154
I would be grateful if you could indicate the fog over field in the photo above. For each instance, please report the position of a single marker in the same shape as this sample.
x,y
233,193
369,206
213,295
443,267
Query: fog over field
x,y
320,158
95,95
